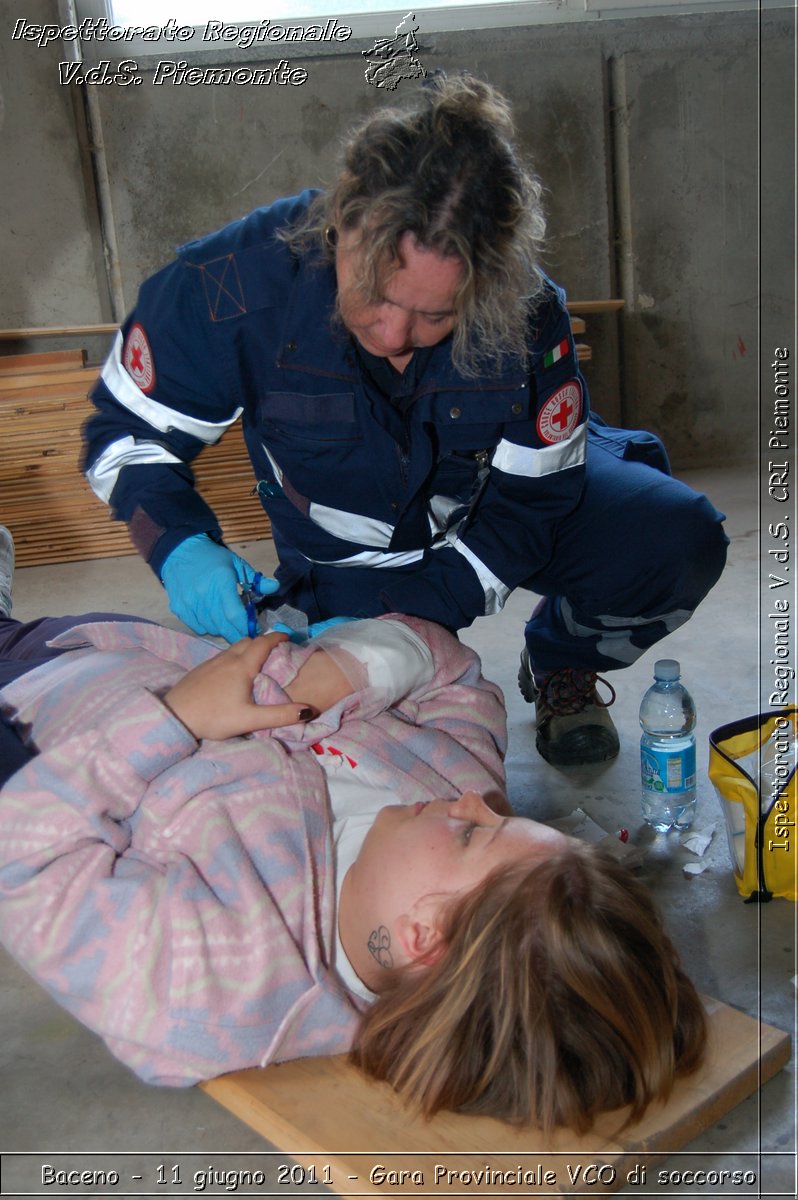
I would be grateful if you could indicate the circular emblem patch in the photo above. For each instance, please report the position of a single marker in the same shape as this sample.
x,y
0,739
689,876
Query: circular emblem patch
x,y
137,359
560,415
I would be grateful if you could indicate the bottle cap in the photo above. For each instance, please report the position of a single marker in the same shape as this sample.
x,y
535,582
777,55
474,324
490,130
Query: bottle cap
x,y
667,669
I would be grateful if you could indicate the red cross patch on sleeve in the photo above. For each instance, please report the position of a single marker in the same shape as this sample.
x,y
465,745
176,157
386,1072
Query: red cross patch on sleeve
x,y
137,359
559,416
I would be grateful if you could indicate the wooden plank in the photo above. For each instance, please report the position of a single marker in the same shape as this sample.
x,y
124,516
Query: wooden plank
x,y
29,399
13,335
70,378
323,1111
49,360
594,306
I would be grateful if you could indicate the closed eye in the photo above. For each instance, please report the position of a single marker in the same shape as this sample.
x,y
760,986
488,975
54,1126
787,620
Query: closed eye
x,y
467,832
428,318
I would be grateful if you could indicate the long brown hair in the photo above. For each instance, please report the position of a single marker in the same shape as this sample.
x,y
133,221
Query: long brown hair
x,y
559,996
447,171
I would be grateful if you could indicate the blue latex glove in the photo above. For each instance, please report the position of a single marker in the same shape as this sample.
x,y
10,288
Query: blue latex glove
x,y
312,630
319,626
201,580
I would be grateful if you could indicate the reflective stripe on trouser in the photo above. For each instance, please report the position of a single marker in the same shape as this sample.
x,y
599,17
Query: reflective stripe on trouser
x,y
631,564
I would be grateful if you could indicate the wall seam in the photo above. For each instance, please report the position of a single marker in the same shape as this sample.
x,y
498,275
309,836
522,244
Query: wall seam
x,y
621,199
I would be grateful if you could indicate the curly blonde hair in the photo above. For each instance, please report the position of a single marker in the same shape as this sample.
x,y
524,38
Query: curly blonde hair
x,y
447,171
559,996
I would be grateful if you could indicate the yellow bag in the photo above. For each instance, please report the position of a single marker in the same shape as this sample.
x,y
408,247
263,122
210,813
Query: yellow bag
x,y
752,765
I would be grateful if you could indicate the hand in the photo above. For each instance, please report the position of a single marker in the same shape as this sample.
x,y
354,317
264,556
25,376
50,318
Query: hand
x,y
201,578
215,699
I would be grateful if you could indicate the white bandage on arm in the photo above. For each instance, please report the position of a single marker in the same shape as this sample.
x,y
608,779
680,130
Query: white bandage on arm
x,y
384,655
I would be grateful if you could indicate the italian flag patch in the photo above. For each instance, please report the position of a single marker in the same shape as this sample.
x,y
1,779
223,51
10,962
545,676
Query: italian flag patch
x,y
553,356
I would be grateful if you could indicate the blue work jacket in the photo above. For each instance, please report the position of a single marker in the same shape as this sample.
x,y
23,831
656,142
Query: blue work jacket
x,y
437,510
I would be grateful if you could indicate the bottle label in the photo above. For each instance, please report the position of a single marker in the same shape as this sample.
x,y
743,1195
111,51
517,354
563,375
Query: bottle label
x,y
669,772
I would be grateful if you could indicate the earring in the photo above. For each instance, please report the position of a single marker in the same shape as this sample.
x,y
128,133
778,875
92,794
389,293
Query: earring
x,y
330,236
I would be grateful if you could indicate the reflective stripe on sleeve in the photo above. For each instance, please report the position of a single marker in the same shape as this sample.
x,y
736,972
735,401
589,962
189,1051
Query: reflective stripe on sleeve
x,y
126,452
351,527
125,391
275,466
371,532
339,522
524,460
372,558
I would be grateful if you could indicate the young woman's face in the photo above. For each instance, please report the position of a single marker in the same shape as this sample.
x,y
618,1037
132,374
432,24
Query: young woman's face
x,y
417,304
417,856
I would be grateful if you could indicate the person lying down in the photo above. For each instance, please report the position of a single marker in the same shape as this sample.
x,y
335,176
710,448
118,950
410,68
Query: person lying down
x,y
219,860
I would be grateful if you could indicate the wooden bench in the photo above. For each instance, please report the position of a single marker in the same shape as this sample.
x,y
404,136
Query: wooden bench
x,y
47,503
326,1115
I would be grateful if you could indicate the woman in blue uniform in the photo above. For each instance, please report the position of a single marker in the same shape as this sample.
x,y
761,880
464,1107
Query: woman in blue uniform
x,y
418,425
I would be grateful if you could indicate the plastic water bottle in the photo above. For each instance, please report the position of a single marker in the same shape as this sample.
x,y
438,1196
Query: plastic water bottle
x,y
667,750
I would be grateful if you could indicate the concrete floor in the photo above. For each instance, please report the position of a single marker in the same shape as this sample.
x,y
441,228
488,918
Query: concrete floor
x,y
62,1091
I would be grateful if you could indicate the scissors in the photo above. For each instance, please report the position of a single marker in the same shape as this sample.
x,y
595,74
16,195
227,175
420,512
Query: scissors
x,y
248,591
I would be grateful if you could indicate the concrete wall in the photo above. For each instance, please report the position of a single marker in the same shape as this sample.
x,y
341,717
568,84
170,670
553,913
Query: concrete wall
x,y
48,226
645,132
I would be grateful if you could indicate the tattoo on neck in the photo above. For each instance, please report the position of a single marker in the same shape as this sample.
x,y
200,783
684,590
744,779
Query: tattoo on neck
x,y
379,944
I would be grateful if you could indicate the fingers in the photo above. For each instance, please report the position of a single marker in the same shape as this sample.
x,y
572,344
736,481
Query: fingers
x,y
253,652
274,716
229,615
267,586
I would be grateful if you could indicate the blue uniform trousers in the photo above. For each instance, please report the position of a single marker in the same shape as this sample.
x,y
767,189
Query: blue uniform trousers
x,y
629,565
